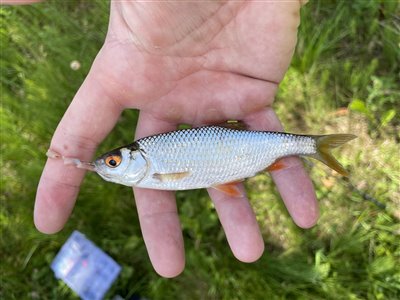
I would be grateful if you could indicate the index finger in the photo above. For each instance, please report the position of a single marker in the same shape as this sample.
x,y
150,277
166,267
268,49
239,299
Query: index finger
x,y
89,118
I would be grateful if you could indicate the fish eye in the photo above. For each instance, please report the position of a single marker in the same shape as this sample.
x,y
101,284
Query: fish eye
x,y
113,160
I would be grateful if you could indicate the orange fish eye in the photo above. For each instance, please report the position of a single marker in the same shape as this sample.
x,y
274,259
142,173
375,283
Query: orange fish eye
x,y
113,160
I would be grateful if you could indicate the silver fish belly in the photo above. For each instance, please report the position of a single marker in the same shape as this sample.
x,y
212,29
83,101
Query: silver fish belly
x,y
213,155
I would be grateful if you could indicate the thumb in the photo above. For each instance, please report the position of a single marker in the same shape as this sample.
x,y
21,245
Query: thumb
x,y
89,118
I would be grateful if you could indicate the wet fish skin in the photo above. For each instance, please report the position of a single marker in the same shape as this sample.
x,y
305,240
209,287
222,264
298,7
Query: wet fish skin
x,y
210,156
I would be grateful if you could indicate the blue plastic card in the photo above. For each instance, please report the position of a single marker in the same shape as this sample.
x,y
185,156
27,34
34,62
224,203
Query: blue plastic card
x,y
85,268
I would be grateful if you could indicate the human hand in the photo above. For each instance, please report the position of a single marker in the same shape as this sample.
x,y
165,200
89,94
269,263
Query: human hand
x,y
181,62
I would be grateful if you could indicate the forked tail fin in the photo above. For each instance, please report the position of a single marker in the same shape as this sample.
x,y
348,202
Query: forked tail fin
x,y
325,143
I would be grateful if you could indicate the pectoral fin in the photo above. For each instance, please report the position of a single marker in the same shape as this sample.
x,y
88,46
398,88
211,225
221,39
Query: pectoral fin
x,y
170,176
231,189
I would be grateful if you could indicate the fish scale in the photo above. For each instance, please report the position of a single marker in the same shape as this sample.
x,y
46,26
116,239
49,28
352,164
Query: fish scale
x,y
215,155
210,156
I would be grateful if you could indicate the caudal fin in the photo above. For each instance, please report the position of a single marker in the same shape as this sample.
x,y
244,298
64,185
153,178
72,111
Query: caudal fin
x,y
325,143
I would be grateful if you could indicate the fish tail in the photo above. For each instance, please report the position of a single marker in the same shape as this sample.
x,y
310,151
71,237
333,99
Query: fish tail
x,y
324,145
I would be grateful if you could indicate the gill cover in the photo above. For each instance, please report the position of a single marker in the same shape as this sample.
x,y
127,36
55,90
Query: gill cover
x,y
125,165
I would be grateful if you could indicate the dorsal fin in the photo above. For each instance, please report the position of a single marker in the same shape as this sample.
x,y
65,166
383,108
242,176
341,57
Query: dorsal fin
x,y
233,124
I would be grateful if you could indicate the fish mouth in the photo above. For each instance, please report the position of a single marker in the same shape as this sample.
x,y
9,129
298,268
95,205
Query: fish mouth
x,y
89,166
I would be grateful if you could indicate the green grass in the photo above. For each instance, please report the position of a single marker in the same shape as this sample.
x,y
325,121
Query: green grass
x,y
344,78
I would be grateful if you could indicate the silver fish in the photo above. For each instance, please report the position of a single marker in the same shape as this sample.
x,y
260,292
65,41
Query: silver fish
x,y
210,156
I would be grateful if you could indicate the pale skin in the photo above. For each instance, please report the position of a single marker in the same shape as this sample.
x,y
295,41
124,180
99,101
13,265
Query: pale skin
x,y
181,62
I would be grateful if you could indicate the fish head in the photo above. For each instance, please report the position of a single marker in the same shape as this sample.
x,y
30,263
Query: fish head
x,y
126,165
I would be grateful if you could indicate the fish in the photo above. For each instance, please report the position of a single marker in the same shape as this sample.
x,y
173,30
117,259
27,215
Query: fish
x,y
207,157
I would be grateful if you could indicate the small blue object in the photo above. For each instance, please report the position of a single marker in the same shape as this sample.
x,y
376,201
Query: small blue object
x,y
85,268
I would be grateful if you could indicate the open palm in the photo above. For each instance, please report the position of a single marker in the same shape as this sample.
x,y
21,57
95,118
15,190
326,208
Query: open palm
x,y
181,62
